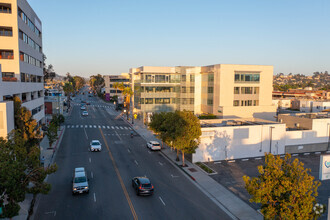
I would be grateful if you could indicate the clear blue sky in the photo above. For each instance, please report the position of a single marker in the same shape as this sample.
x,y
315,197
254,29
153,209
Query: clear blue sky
x,y
110,36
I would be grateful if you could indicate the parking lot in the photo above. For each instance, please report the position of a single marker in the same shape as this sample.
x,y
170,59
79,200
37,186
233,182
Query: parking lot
x,y
230,174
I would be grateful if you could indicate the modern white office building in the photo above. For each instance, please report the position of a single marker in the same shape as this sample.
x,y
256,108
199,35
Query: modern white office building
x,y
225,90
21,61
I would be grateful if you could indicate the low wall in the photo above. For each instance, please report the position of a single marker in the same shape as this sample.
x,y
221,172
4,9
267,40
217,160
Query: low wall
x,y
302,148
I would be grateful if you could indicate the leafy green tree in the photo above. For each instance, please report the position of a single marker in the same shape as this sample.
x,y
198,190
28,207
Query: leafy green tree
x,y
26,124
79,82
285,189
188,139
20,173
96,82
52,133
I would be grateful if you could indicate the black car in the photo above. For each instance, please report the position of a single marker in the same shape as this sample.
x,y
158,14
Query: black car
x,y
142,186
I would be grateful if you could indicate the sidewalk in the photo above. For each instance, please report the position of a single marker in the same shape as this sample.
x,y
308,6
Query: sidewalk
x,y
226,200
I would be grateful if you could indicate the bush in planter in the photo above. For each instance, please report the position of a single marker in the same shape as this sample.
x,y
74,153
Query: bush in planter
x,y
210,116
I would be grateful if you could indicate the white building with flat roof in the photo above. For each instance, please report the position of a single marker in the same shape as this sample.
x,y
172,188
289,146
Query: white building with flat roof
x,y
21,58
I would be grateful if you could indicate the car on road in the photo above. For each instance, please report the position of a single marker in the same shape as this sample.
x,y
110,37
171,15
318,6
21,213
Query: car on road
x,y
84,113
95,145
142,186
88,103
83,107
154,145
80,181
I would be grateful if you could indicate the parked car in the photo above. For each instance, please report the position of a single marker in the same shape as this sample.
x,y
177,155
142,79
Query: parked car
x,y
83,107
95,145
142,186
87,103
80,181
154,145
85,113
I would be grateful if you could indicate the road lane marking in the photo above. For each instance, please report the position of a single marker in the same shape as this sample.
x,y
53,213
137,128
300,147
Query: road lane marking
x,y
160,163
120,179
174,176
118,135
306,153
94,198
90,160
162,200
294,155
136,162
52,212
128,151
92,175
86,133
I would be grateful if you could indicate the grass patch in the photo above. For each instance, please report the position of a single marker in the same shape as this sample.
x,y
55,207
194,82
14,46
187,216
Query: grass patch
x,y
204,167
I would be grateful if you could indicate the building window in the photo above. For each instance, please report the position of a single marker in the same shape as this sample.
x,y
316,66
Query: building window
x,y
236,102
246,90
7,54
191,101
6,31
149,101
142,100
173,101
192,78
192,89
256,90
148,78
28,59
236,90
160,79
209,89
209,101
210,77
247,77
5,8
29,23
255,102
183,89
184,101
183,78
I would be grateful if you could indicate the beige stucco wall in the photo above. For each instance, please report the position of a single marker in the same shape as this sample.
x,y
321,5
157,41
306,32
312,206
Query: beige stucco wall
x,y
6,118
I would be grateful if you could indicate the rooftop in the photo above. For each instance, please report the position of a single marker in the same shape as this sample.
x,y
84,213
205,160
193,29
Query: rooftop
x,y
234,122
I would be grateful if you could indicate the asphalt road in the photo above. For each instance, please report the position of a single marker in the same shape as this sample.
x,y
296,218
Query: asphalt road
x,y
110,172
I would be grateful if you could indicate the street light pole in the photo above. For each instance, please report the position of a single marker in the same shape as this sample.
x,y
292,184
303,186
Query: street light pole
x,y
328,136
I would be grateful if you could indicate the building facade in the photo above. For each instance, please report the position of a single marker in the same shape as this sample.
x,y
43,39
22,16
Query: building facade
x,y
109,80
21,56
224,90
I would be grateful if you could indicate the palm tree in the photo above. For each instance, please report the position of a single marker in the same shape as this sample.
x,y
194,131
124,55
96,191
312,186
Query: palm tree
x,y
127,92
116,86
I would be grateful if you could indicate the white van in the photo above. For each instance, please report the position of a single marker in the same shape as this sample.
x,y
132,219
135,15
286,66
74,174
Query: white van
x,y
80,181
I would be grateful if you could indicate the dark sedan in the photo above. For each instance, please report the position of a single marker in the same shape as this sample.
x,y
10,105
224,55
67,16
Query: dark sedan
x,y
142,186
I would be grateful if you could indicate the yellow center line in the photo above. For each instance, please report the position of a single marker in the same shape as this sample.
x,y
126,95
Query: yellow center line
x,y
120,179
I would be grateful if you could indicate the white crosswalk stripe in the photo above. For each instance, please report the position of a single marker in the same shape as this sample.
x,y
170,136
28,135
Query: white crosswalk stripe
x,y
108,127
121,127
68,126
85,126
129,128
126,128
94,126
81,126
77,126
90,126
112,127
116,127
103,127
99,126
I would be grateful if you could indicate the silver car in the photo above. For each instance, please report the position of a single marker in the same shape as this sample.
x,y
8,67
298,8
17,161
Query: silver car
x,y
95,145
80,181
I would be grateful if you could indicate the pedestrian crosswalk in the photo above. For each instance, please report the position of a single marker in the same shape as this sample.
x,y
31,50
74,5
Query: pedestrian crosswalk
x,y
98,106
100,126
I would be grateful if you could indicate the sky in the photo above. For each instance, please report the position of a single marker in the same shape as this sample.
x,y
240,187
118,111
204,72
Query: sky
x,y
111,36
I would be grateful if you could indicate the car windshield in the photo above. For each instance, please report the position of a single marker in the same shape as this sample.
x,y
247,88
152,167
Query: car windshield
x,y
95,143
80,179
156,144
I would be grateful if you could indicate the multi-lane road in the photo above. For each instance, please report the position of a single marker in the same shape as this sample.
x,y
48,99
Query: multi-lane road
x,y
110,172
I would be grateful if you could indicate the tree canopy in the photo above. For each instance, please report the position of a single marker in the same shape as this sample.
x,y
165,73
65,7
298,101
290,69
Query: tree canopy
x,y
285,189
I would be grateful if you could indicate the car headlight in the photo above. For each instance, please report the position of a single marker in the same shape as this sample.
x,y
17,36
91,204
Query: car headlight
x,y
74,188
86,187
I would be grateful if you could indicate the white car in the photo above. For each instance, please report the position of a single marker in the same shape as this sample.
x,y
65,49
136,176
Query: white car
x,y
80,181
153,145
96,145
83,107
85,113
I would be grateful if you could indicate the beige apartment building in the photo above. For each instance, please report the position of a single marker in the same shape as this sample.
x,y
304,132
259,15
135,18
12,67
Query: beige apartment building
x,y
21,61
225,90
109,80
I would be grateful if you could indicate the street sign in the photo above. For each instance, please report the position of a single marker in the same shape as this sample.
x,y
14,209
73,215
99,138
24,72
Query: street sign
x,y
324,167
135,116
